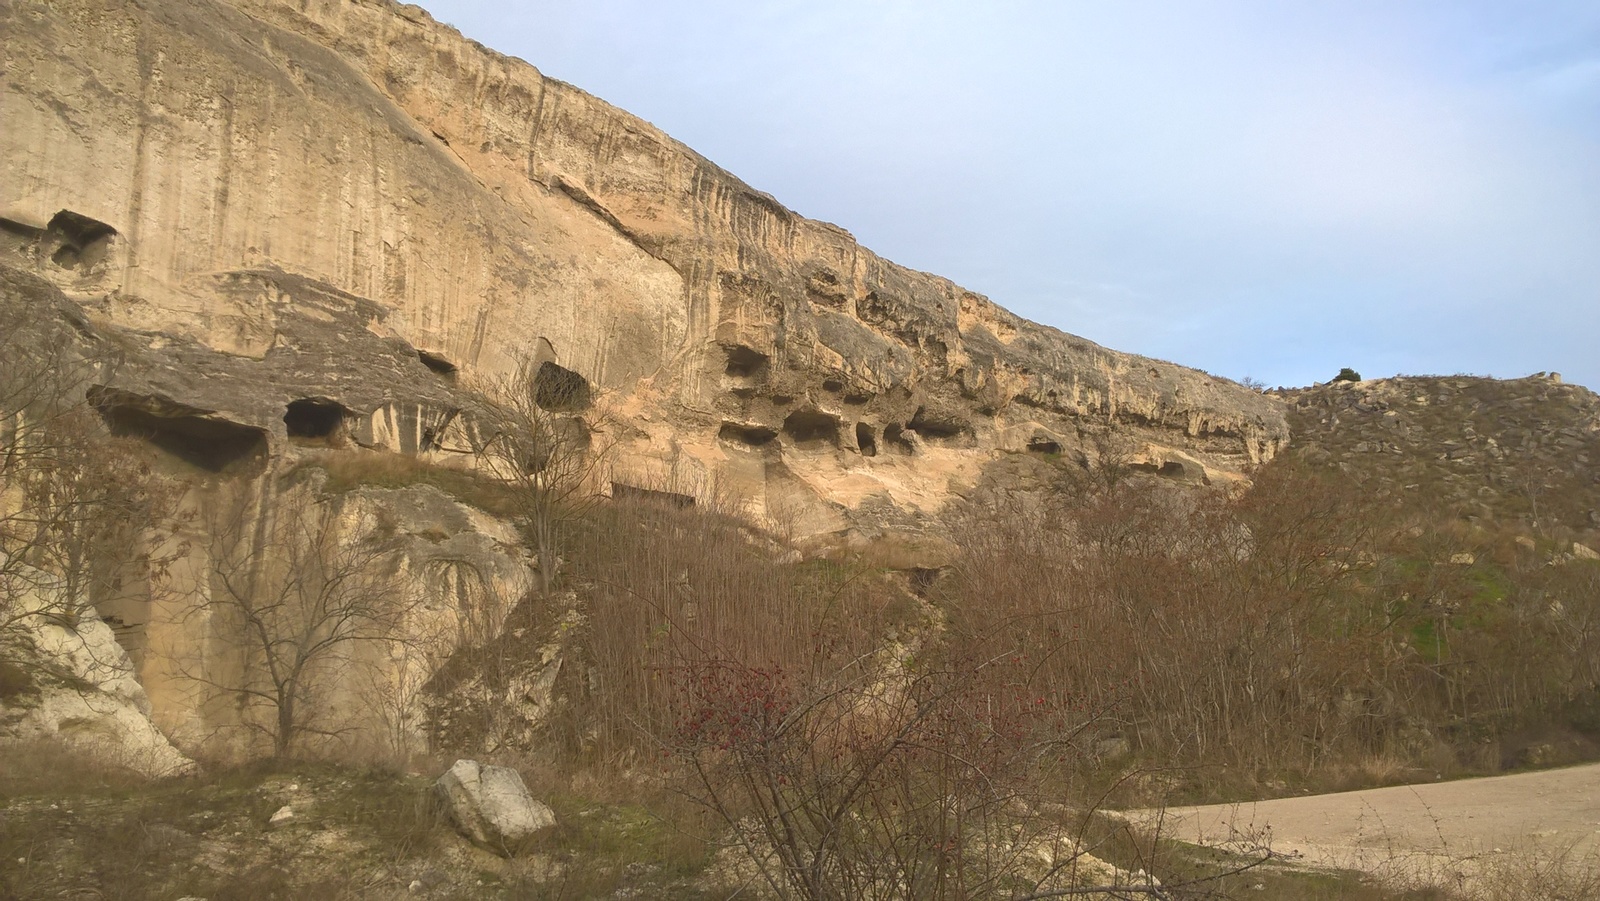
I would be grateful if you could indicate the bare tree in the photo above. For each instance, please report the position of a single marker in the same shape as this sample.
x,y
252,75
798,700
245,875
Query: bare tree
x,y
533,438
301,596
74,500
33,397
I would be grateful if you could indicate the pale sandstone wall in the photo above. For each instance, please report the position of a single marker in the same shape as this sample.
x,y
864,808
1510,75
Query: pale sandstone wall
x,y
86,694
214,143
447,574
485,212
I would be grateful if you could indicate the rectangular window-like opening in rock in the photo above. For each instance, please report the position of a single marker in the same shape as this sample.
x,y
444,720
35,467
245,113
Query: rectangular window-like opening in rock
x,y
211,444
865,440
561,390
438,365
315,419
745,362
938,428
83,242
1044,446
747,434
812,428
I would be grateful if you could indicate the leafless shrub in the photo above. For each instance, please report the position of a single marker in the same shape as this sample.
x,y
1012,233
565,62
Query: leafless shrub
x,y
532,438
76,504
668,585
1560,874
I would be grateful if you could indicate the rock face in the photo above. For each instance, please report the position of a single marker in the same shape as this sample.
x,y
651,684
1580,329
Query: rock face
x,y
346,206
82,688
491,805
442,578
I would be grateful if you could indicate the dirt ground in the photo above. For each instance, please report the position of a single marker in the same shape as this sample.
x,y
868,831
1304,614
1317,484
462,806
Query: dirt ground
x,y
1440,830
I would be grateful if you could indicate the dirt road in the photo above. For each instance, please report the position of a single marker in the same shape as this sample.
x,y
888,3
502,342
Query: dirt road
x,y
1441,829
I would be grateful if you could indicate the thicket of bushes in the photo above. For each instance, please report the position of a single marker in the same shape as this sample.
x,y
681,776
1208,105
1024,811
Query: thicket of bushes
x,y
1298,627
851,726
1294,631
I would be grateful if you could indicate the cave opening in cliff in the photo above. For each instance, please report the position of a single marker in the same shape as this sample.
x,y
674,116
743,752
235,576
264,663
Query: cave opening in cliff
x,y
747,434
214,445
438,365
745,362
314,419
937,428
812,428
865,440
83,241
1167,469
1172,469
561,390
894,438
1044,446
19,230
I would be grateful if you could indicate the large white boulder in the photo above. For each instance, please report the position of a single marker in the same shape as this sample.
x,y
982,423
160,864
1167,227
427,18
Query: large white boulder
x,y
492,806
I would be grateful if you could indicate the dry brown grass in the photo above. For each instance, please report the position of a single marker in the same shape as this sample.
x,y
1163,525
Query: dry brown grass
x,y
1565,874
70,829
351,468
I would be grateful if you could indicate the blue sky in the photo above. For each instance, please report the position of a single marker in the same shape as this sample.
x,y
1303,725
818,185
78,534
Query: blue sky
x,y
1266,189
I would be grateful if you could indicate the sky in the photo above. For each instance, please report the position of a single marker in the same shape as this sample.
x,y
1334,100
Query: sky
x,y
1273,189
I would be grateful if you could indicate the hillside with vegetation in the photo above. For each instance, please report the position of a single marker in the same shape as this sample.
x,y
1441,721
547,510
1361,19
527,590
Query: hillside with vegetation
x,y
836,723
373,407
708,710
1516,455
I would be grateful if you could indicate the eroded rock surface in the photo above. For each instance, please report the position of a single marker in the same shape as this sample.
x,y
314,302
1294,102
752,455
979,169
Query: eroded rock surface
x,y
1495,450
491,805
279,230
350,207
81,688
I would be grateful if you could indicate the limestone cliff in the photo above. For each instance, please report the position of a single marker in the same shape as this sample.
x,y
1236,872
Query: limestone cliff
x,y
346,204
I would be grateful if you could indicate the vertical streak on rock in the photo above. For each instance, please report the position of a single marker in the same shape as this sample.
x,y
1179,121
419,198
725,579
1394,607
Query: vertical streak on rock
x,y
221,221
268,214
479,334
141,159
535,128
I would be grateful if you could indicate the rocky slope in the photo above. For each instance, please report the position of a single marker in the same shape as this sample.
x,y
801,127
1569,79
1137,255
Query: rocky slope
x,y
1521,453
349,202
